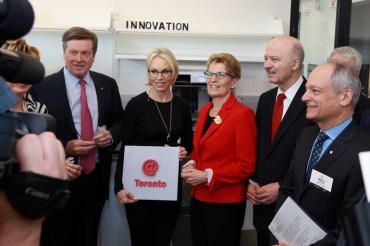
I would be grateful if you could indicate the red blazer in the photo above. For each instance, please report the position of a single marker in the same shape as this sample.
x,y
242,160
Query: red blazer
x,y
229,149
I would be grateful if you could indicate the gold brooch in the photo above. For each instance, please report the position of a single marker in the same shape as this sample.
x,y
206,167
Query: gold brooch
x,y
217,120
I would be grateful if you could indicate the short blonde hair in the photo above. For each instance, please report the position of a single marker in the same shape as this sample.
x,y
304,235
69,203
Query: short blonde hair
x,y
166,55
231,63
20,45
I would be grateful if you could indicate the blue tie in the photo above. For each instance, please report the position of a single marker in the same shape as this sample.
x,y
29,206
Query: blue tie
x,y
315,154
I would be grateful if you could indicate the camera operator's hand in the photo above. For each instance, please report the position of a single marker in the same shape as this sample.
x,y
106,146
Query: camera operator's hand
x,y
78,147
42,154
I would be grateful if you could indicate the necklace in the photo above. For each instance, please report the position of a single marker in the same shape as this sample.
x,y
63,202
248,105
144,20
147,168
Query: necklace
x,y
213,112
168,130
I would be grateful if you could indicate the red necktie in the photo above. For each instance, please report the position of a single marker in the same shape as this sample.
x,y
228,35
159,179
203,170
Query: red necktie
x,y
277,115
87,162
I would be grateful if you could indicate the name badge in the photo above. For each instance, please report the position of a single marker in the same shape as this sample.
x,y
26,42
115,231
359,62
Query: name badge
x,y
321,180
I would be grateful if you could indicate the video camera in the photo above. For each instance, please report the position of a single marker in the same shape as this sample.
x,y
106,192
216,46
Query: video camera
x,y
16,20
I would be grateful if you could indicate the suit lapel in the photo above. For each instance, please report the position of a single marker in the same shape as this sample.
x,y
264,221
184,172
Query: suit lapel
x,y
336,148
99,88
306,147
268,115
200,125
62,97
223,114
295,110
331,154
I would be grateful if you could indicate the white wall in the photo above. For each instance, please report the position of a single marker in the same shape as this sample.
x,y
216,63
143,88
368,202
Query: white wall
x,y
207,16
50,45
210,15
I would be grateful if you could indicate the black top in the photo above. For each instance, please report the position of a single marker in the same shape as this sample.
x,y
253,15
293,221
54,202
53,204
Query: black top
x,y
208,123
143,126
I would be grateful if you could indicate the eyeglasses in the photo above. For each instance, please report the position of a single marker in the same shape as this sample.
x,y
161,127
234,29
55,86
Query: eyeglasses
x,y
155,73
219,75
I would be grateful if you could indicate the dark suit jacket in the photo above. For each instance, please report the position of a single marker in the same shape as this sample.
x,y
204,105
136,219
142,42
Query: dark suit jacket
x,y
365,120
362,106
53,93
229,149
273,159
340,162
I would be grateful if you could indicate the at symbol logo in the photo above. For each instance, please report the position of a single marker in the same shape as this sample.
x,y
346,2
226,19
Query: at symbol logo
x,y
149,167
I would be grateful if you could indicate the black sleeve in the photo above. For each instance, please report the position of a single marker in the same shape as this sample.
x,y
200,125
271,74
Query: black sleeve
x,y
118,114
287,184
119,170
127,135
187,131
258,112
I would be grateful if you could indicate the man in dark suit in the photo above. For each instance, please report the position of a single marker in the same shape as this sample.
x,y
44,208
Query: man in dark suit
x,y
324,177
350,57
283,64
88,110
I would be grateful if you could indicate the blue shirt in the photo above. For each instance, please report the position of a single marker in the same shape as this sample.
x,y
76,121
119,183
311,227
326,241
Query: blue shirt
x,y
332,134
74,92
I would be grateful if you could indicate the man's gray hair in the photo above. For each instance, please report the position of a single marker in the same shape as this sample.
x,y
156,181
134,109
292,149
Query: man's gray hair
x,y
351,53
345,78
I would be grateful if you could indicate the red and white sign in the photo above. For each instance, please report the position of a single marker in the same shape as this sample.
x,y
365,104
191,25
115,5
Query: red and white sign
x,y
151,172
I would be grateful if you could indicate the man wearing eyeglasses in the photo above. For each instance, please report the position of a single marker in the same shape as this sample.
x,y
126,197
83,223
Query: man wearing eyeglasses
x,y
280,116
88,110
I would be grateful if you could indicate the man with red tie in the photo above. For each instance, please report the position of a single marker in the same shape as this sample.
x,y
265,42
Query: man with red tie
x,y
280,116
88,110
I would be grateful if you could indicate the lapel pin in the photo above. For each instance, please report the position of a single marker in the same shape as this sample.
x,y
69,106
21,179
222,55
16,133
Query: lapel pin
x,y
331,152
217,120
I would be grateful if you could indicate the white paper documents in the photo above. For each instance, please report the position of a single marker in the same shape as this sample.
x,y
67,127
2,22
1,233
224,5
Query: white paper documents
x,y
293,226
151,173
365,169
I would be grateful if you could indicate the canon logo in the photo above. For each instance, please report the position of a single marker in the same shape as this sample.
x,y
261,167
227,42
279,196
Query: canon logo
x,y
31,191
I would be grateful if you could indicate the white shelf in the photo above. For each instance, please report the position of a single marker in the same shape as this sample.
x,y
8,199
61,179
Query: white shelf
x,y
191,67
200,34
186,58
192,51
143,57
63,29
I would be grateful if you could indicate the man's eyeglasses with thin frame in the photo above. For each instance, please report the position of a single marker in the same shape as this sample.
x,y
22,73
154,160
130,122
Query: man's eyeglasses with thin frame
x,y
154,73
219,75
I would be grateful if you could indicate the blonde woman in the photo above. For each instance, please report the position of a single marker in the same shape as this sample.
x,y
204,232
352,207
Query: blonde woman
x,y
156,117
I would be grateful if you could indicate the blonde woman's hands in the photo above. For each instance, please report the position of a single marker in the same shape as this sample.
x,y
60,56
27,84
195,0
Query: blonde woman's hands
x,y
125,197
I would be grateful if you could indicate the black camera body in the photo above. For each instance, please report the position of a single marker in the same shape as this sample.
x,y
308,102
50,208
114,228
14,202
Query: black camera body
x,y
14,125
31,194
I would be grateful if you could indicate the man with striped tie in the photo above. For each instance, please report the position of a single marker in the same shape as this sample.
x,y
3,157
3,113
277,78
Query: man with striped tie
x,y
324,177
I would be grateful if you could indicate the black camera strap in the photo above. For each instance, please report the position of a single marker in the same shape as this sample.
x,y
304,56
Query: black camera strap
x,y
34,195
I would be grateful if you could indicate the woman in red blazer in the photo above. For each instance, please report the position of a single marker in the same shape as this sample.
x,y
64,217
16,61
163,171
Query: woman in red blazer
x,y
223,157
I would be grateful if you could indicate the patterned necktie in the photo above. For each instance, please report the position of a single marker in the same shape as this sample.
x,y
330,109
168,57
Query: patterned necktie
x,y
277,115
87,162
315,154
